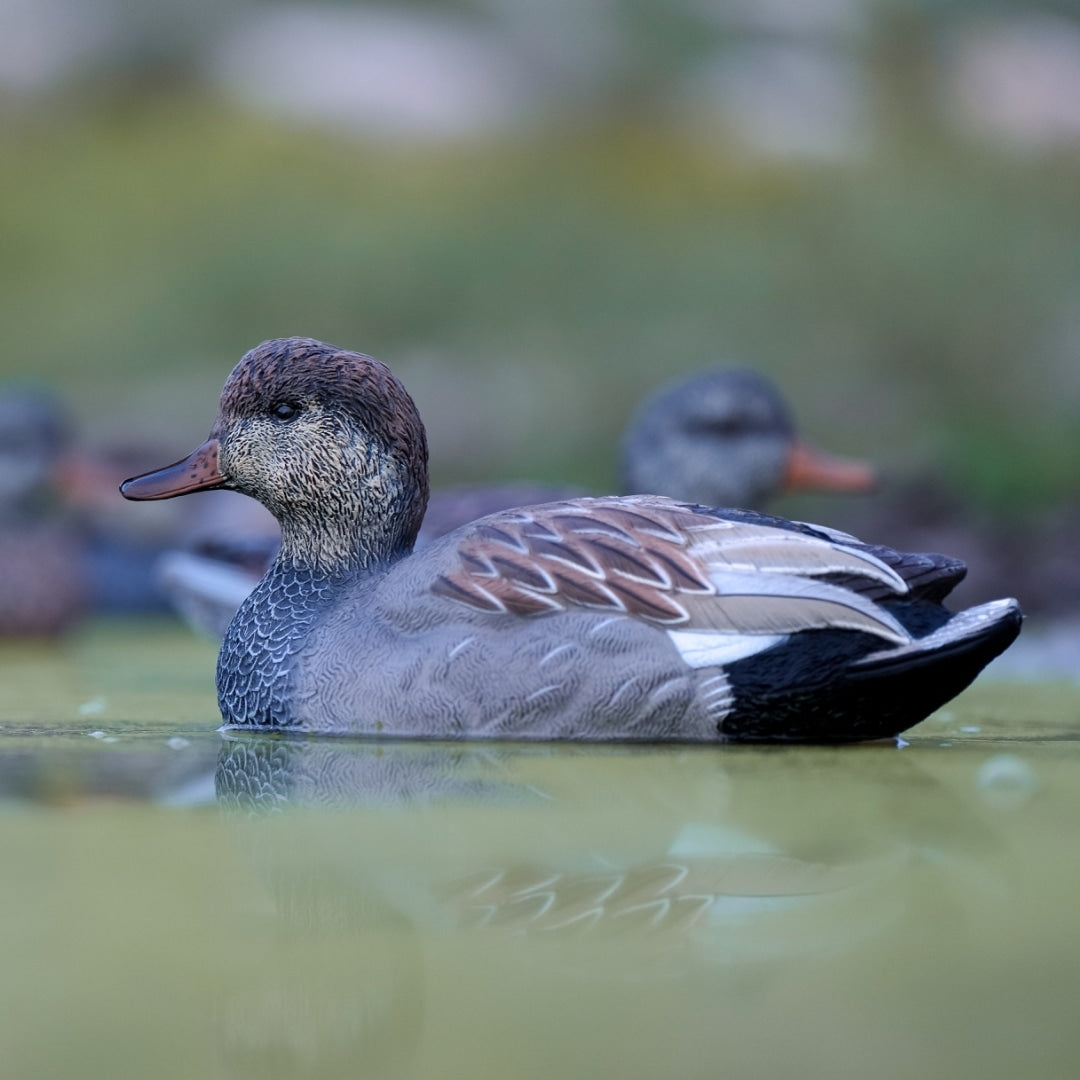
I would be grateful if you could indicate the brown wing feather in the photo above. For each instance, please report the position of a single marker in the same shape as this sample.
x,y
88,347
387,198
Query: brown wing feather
x,y
660,561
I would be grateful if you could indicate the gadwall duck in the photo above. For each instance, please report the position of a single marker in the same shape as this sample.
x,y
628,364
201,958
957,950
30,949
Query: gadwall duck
x,y
61,557
720,437
618,618
44,576
725,437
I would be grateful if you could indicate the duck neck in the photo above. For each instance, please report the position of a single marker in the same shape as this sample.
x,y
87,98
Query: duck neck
x,y
257,663
352,538
334,553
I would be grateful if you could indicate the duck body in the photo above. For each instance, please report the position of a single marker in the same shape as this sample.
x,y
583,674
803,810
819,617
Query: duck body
x,y
612,618
494,634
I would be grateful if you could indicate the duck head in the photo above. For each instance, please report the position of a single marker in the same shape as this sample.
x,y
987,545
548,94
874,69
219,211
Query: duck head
x,y
329,441
726,438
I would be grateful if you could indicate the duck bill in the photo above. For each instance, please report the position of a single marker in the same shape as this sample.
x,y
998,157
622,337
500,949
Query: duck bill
x,y
810,469
197,472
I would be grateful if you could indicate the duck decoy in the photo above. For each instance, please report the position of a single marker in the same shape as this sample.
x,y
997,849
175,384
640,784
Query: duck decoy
x,y
720,437
62,557
44,578
611,618
725,437
121,552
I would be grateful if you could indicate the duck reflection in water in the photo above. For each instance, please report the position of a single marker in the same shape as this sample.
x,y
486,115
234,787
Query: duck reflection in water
x,y
662,845
485,888
401,903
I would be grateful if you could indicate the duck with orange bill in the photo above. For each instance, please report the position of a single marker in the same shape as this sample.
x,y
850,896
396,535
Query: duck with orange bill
x,y
637,618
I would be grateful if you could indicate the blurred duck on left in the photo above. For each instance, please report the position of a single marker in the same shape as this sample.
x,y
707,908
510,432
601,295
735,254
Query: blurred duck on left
x,y
57,563
44,572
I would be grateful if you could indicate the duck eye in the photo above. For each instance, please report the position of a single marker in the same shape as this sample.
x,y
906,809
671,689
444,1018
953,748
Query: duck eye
x,y
726,426
285,411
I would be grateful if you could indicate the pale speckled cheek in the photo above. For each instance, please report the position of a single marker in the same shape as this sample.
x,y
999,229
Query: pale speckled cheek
x,y
241,458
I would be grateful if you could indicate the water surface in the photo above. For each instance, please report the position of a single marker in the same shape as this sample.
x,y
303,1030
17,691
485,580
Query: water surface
x,y
178,903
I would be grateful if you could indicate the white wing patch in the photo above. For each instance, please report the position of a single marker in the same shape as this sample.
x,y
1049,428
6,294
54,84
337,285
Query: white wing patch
x,y
707,648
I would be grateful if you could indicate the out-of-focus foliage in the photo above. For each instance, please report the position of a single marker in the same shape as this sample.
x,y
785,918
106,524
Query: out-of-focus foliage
x,y
912,279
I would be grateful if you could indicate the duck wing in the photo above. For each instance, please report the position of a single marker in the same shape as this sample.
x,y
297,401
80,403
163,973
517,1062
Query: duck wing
x,y
928,575
685,569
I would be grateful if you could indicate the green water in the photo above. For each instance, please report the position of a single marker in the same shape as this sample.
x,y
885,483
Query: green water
x,y
174,904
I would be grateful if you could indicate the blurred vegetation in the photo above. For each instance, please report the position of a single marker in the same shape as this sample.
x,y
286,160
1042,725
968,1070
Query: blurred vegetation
x,y
919,302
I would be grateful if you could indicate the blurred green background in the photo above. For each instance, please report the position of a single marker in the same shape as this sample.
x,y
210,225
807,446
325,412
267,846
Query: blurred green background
x,y
537,212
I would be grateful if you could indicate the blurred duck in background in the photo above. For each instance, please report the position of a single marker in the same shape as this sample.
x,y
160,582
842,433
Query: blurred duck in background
x,y
121,552
44,573
727,438
722,437
65,552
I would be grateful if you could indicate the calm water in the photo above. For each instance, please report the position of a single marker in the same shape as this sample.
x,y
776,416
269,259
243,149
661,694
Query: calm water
x,y
177,904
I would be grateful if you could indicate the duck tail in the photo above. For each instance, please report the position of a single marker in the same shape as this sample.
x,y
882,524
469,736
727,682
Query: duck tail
x,y
961,646
876,695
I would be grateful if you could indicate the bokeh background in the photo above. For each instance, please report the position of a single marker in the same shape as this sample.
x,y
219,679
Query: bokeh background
x,y
537,212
